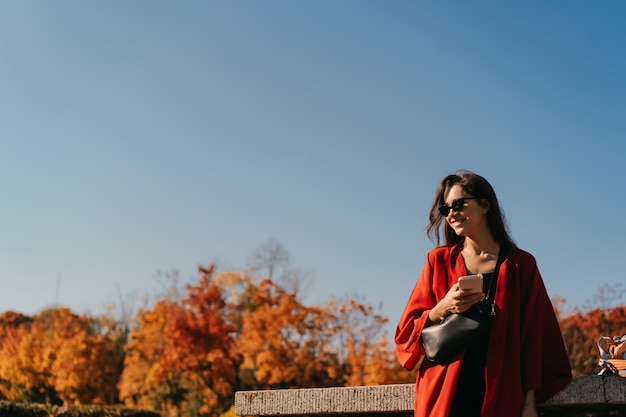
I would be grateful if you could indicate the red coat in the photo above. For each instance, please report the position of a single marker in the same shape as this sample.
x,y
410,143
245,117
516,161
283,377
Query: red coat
x,y
525,352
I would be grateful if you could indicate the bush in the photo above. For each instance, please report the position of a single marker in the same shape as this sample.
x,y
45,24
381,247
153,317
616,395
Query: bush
x,y
9,409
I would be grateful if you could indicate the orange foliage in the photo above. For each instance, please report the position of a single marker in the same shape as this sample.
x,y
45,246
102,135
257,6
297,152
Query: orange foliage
x,y
188,355
201,344
55,356
581,332
230,333
180,357
143,383
368,357
285,344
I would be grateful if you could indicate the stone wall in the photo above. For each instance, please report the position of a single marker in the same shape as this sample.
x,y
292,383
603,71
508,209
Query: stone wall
x,y
586,396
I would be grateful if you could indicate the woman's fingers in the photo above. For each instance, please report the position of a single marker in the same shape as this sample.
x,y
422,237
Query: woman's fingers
x,y
464,302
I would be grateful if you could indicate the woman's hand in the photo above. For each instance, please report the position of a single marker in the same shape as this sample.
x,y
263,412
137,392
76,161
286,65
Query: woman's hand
x,y
529,409
455,301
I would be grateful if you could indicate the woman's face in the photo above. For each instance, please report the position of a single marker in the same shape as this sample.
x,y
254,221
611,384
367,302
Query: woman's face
x,y
469,219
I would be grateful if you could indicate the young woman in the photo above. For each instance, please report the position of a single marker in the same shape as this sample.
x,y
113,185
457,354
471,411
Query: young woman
x,y
522,359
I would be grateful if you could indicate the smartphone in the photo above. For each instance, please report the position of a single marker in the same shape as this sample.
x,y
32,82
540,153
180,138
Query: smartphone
x,y
473,283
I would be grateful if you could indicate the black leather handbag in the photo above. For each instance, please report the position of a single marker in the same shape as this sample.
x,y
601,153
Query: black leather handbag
x,y
442,341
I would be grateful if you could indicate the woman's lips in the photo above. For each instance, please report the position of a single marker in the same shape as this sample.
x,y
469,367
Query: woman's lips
x,y
456,222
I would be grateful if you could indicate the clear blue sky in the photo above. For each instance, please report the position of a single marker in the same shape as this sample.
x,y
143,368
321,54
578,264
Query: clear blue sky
x,y
145,136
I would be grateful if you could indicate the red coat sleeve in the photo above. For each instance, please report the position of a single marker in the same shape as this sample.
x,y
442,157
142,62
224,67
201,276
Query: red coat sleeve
x,y
526,349
408,348
544,362
435,385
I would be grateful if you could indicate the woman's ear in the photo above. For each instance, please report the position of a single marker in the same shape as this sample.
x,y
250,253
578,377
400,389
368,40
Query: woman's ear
x,y
485,204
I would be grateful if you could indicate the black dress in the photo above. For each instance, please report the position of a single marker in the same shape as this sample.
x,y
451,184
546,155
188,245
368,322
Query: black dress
x,y
470,391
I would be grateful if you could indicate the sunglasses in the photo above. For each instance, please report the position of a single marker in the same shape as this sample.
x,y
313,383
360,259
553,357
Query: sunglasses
x,y
457,205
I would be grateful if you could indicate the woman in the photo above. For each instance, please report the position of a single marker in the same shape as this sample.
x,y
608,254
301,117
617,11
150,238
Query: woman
x,y
522,359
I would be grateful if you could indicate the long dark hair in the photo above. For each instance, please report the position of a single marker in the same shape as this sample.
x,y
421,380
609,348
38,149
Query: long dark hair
x,y
477,187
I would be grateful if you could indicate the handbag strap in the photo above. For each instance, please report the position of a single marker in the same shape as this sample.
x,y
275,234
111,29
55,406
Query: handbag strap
x,y
504,251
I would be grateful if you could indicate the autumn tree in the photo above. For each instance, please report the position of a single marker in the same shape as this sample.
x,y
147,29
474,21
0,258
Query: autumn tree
x,y
145,383
606,297
234,330
202,344
286,344
603,316
195,346
180,357
270,259
55,357
367,356
25,372
581,332
11,320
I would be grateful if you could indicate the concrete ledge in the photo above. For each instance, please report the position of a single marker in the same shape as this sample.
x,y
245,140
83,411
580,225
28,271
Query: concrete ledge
x,y
340,400
590,395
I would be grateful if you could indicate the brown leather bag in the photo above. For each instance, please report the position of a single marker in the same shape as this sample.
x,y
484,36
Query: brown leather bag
x,y
612,356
